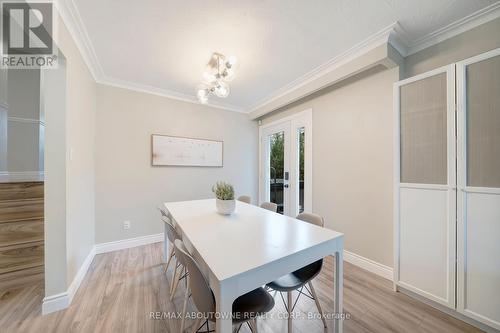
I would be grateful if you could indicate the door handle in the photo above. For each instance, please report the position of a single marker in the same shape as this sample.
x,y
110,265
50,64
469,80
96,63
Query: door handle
x,y
285,185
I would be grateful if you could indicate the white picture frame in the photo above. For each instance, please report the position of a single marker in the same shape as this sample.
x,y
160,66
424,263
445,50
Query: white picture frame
x,y
168,150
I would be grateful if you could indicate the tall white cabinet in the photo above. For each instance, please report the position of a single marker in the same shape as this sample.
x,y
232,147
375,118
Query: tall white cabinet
x,y
447,186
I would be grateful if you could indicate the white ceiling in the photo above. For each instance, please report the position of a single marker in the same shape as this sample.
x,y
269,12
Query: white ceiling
x,y
165,44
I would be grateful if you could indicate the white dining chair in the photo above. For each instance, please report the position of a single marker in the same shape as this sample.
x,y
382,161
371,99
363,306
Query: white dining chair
x,y
245,198
301,278
269,206
172,235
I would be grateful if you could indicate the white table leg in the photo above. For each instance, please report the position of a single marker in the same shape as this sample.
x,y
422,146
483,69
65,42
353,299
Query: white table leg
x,y
165,243
224,308
339,290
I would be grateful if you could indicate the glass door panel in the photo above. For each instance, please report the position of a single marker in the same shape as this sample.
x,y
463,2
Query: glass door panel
x,y
301,134
276,169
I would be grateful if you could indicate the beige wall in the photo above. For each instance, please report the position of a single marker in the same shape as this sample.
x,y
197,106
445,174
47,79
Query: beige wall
x,y
70,185
80,145
352,160
353,138
468,44
54,102
129,188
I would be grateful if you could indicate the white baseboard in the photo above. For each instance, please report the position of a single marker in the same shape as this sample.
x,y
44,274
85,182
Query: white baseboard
x,y
55,303
128,243
368,264
63,300
80,275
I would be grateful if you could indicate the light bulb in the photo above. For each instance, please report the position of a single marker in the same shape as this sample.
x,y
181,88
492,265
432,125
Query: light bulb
x,y
232,62
221,89
202,96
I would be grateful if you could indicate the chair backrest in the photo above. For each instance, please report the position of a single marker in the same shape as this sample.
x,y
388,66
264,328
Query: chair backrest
x,y
202,295
270,206
162,211
312,218
245,198
181,257
172,234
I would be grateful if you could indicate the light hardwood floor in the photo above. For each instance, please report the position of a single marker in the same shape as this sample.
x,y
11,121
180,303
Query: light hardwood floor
x,y
123,288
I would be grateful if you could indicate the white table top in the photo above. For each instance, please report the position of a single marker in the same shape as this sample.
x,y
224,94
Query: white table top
x,y
247,239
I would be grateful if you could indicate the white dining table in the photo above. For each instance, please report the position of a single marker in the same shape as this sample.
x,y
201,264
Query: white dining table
x,y
251,247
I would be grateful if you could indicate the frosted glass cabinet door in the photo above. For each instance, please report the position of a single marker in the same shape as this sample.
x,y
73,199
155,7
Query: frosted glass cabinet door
x,y
423,131
425,185
478,165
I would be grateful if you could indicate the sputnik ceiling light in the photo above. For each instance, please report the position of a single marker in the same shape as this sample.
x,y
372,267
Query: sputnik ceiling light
x,y
220,70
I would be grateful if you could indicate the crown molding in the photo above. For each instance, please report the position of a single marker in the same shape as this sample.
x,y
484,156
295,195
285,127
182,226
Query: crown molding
x,y
74,23
394,34
397,37
165,93
410,46
379,38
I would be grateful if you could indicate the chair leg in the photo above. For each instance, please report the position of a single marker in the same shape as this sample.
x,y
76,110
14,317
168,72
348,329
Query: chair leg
x,y
289,306
254,325
173,276
196,324
184,306
176,282
316,299
169,259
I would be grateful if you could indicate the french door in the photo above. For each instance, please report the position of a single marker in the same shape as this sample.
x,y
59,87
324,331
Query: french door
x,y
286,162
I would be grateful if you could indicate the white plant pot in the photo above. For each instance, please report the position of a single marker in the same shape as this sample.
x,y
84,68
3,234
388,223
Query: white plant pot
x,y
225,207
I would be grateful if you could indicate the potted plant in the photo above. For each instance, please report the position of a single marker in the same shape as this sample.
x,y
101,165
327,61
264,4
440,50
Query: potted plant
x,y
224,194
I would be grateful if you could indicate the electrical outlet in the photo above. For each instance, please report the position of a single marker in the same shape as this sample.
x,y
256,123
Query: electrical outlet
x,y
126,225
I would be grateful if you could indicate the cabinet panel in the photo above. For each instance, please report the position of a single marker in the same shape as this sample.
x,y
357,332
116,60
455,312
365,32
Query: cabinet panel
x,y
425,261
481,292
478,166
425,189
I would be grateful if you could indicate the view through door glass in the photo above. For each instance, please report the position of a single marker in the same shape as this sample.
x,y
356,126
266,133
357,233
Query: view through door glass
x,y
301,146
276,168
